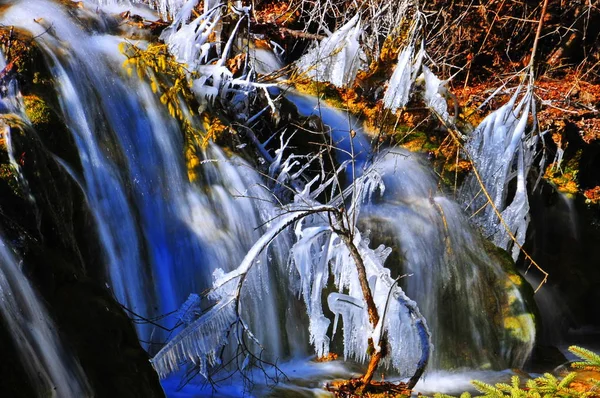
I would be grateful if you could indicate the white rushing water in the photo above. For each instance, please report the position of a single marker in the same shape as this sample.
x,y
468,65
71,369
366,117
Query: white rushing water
x,y
52,371
162,235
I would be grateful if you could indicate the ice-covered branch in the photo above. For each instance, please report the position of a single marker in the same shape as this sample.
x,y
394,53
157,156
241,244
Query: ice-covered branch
x,y
278,226
201,341
333,246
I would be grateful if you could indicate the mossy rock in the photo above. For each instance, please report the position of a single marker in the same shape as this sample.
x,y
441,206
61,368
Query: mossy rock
x,y
13,125
508,265
50,128
415,140
38,111
516,324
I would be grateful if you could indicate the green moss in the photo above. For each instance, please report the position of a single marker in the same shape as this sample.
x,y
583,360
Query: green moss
x,y
564,179
519,327
7,173
415,140
37,111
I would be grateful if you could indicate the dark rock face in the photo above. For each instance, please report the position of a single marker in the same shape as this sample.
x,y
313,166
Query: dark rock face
x,y
564,238
55,235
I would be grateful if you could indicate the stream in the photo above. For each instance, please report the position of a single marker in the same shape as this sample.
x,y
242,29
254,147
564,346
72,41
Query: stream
x,y
160,236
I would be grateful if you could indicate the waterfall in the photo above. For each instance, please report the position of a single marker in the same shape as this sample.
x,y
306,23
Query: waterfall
x,y
52,371
50,368
163,236
477,314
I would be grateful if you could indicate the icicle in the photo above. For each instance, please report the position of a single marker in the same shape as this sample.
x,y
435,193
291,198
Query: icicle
x,y
403,78
338,58
190,310
370,182
309,257
354,316
433,94
200,342
502,148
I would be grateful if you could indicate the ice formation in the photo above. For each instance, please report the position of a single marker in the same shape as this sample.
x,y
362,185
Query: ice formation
x,y
337,58
502,148
166,8
190,310
320,252
403,77
432,95
410,70
188,42
201,341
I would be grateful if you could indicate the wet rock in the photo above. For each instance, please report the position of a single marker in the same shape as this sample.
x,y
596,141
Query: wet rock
x,y
54,232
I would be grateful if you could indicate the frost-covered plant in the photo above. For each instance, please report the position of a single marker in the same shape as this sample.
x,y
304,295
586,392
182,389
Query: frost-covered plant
x,y
410,71
380,322
391,323
379,20
189,71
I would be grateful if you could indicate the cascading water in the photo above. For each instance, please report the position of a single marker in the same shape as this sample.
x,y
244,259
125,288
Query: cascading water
x,y
163,236
51,370
477,315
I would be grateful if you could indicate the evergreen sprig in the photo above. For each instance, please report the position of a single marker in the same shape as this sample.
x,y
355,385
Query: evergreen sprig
x,y
591,360
545,386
